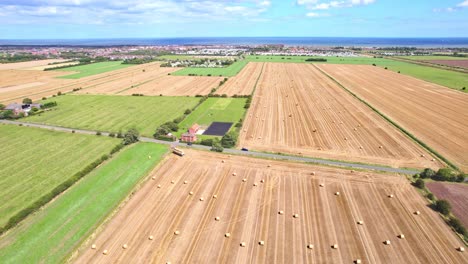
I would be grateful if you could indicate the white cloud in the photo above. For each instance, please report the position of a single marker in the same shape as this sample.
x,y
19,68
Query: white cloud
x,y
313,14
316,5
463,4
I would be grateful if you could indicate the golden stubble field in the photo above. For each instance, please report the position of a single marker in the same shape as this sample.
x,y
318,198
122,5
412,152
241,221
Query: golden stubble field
x,y
298,110
434,114
213,208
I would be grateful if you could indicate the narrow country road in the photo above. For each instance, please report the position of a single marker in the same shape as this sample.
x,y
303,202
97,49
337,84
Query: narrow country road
x,y
232,151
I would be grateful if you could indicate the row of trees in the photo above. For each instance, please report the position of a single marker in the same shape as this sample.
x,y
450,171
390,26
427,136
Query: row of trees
x,y
443,174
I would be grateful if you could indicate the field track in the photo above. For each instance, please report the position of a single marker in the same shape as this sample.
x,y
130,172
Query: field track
x,y
244,82
298,110
434,114
250,214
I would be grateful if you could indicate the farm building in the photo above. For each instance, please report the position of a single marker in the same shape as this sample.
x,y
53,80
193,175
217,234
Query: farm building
x,y
191,135
22,108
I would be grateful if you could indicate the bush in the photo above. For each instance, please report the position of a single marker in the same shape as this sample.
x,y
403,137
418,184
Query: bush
x,y
430,196
207,142
443,207
2,106
59,93
171,126
427,173
8,114
187,112
461,177
73,131
117,148
216,146
131,136
98,133
457,225
27,101
179,119
119,134
49,105
111,134
420,183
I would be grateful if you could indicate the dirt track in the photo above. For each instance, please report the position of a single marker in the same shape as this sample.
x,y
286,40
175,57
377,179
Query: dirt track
x,y
434,114
244,82
297,109
456,194
250,214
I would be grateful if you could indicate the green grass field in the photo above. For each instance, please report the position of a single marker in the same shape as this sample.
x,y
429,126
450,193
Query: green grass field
x,y
214,109
423,58
114,113
92,69
229,71
35,161
52,234
451,79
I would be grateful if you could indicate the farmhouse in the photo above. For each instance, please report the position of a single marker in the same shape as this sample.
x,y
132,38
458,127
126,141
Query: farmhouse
x,y
22,108
191,135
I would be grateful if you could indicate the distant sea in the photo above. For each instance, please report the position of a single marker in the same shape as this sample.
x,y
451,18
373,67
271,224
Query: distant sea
x,y
288,41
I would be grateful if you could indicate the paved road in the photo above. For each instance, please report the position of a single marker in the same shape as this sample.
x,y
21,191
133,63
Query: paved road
x,y
232,151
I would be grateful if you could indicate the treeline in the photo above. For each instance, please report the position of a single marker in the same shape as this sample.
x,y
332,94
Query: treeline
x,y
316,59
443,174
138,61
21,57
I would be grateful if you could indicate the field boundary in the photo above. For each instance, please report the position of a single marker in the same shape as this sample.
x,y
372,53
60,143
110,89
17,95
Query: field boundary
x,y
407,133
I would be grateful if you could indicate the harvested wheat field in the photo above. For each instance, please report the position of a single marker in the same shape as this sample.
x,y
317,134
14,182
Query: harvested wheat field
x,y
16,85
28,64
244,82
177,86
199,209
434,114
297,109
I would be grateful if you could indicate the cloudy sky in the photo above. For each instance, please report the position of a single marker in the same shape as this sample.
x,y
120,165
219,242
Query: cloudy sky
x,y
64,19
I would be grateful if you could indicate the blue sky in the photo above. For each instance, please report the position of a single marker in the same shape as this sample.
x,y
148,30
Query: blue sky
x,y
64,19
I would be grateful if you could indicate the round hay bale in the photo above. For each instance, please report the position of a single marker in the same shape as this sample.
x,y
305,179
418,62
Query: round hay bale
x,y
177,232
124,246
244,180
296,215
150,237
461,249
268,165
345,138
105,252
222,161
337,193
172,182
185,182
190,193
321,185
215,196
312,173
159,185
401,236
227,235
310,246
168,262
93,246
357,261
281,212
391,196
417,213
234,174
355,129
360,222
261,242
422,155
255,184
262,181
387,242
360,147
432,159
201,199
153,178
315,130
352,171
380,147
217,218
242,244
334,246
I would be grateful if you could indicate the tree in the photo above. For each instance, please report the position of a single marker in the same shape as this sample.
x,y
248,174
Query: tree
x,y
8,114
27,101
420,183
457,225
444,174
427,173
442,206
188,111
430,196
229,140
131,136
461,177
216,146
2,106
